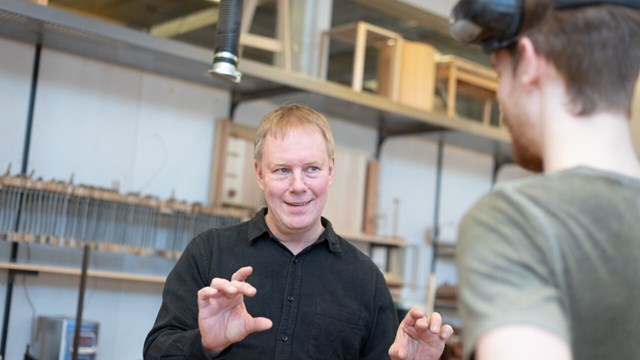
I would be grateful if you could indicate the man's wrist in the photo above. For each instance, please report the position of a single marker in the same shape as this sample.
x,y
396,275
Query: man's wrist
x,y
213,350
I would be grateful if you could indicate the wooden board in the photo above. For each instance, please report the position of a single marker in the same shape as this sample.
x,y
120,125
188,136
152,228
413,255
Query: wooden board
x,y
233,180
417,74
371,198
240,187
345,205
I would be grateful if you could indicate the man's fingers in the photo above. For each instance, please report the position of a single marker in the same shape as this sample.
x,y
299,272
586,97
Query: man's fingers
x,y
242,274
397,352
413,315
232,288
205,294
416,313
223,285
446,332
258,324
435,322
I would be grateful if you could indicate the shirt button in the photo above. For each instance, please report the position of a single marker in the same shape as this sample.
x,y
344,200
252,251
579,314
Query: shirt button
x,y
295,261
284,338
290,298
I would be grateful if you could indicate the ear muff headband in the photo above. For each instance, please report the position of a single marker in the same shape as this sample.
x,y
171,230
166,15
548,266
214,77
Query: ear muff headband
x,y
496,24
567,4
491,23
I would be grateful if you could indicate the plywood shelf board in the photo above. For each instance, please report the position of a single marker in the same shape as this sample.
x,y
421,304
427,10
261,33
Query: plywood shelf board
x,y
113,275
55,29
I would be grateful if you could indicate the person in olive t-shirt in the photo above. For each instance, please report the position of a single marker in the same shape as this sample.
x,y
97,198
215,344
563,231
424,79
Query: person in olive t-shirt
x,y
548,265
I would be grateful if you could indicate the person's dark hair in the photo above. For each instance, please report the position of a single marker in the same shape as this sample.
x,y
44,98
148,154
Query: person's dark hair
x,y
597,51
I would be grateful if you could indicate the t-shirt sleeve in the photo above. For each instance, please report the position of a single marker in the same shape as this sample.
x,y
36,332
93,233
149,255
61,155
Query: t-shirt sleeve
x,y
506,271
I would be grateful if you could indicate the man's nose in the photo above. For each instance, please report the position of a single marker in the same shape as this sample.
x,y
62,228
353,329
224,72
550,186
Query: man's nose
x,y
297,182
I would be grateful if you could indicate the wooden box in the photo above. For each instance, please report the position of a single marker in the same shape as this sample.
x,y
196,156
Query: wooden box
x,y
416,75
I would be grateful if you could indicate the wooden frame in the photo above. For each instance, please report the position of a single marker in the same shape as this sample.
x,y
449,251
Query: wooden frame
x,y
232,158
362,34
281,44
467,78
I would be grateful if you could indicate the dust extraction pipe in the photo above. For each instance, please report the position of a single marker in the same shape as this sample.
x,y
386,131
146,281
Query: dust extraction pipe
x,y
225,58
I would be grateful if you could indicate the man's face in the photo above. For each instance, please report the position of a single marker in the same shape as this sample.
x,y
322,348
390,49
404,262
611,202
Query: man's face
x,y
294,176
515,113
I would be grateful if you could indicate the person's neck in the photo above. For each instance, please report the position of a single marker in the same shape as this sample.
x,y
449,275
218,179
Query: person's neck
x,y
601,141
295,241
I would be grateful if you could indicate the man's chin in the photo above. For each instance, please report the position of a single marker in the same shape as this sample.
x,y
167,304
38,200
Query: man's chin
x,y
529,162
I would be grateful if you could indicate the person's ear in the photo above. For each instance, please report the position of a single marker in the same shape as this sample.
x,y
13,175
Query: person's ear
x,y
259,174
332,163
529,67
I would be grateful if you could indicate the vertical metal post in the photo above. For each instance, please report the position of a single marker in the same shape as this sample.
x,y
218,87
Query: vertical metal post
x,y
23,170
431,283
436,210
83,285
234,102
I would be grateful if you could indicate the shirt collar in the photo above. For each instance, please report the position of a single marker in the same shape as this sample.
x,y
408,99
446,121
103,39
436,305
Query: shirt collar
x,y
258,229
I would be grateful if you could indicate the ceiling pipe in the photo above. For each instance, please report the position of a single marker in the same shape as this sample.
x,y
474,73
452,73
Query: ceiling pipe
x,y
225,58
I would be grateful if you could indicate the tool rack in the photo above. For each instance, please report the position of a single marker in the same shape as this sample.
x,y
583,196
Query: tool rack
x,y
63,214
46,27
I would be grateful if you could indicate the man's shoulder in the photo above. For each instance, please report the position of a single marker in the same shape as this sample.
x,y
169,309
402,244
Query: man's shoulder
x,y
354,255
532,190
226,233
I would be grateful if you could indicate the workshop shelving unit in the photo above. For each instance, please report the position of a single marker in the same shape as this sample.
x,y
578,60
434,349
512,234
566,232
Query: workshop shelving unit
x,y
51,28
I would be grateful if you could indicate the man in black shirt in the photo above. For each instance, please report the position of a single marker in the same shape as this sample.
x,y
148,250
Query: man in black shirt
x,y
312,294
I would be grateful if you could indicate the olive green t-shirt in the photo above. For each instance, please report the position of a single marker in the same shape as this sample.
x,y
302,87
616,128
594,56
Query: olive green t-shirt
x,y
560,252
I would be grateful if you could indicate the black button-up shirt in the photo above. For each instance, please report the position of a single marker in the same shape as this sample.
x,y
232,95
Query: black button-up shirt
x,y
327,302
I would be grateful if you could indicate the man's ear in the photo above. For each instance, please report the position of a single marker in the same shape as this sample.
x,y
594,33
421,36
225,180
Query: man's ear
x,y
259,174
332,166
529,67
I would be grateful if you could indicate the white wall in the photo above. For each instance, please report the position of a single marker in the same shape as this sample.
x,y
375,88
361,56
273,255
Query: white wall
x,y
125,310
107,123
16,62
153,135
104,124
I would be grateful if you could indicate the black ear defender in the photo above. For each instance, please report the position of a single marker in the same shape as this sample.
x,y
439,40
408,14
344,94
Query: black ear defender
x,y
496,24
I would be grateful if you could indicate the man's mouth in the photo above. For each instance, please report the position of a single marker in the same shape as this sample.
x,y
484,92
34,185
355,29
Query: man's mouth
x,y
298,203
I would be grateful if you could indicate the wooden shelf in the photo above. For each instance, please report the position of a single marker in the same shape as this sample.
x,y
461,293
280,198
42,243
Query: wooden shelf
x,y
113,275
446,250
371,239
391,280
52,28
446,304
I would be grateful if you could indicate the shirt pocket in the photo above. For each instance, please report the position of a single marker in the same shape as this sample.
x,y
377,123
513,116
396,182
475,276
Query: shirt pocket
x,y
335,333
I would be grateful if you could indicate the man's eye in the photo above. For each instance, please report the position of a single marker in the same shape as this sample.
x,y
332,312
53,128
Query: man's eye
x,y
281,171
313,169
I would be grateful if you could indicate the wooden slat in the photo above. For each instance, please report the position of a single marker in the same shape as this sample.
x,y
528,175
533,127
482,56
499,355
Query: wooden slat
x,y
218,164
370,239
114,275
371,198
